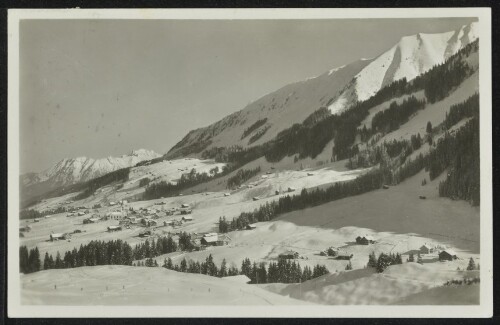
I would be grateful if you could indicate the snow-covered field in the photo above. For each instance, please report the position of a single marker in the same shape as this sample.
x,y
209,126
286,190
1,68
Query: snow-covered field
x,y
143,286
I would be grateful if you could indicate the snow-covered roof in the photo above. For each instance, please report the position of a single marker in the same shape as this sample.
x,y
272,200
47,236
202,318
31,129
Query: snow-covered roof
x,y
211,239
59,235
426,246
451,252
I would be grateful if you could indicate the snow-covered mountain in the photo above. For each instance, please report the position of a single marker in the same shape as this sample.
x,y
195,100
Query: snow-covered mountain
x,y
75,170
410,57
337,89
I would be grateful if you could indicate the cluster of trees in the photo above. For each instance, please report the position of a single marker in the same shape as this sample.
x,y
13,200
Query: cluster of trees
x,y
144,182
166,189
253,127
29,261
458,112
284,271
465,281
224,226
397,114
34,214
258,134
460,155
443,78
120,175
115,252
383,261
242,176
207,267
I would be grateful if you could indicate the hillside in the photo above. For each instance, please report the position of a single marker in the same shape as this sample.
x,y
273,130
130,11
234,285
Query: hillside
x,y
337,90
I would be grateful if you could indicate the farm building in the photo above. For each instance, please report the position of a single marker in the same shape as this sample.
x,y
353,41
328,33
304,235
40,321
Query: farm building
x,y
186,211
187,218
288,255
426,249
251,227
48,216
184,205
114,228
210,240
255,198
168,223
81,213
277,192
36,220
227,194
291,189
365,240
447,255
343,255
112,203
60,236
146,233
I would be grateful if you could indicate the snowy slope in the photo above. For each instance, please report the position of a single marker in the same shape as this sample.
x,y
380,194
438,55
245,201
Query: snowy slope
x,y
337,89
410,57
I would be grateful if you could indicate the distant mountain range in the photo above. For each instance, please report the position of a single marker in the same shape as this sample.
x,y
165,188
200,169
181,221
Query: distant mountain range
x,y
75,170
337,89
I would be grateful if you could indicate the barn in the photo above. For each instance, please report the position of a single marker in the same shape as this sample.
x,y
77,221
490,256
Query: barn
x,y
114,228
426,249
343,255
60,236
447,255
210,240
288,255
365,240
187,218
251,227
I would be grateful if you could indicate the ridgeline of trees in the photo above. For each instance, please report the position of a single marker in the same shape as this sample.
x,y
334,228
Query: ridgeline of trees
x,y
397,114
242,176
284,271
253,127
166,189
120,175
34,214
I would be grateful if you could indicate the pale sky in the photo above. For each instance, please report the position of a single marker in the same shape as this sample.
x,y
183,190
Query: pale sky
x,y
101,88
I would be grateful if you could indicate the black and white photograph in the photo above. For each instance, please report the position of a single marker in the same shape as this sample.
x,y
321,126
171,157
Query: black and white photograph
x,y
250,163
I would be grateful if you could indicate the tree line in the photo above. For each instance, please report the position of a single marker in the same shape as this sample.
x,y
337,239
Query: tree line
x,y
242,176
283,271
383,261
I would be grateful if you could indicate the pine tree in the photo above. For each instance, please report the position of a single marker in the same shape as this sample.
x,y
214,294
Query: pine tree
x,y
223,269
348,266
372,260
472,265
